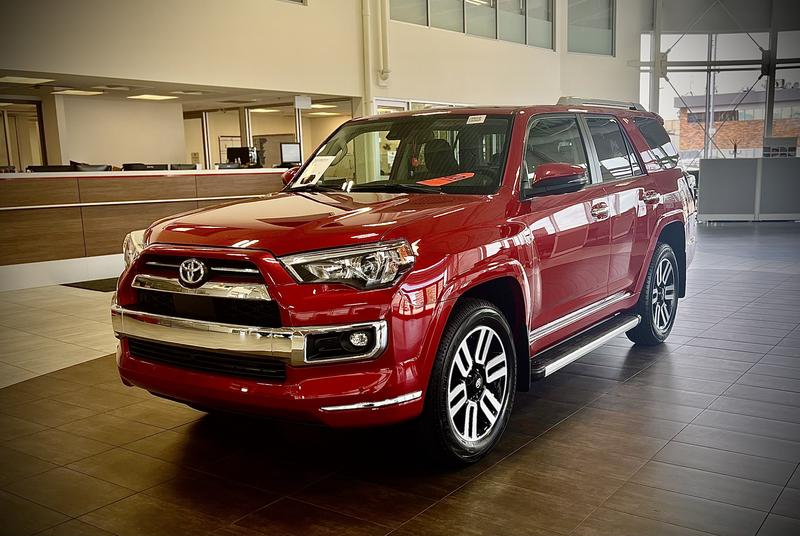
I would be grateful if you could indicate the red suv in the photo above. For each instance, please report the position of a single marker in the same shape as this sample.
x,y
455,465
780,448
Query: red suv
x,y
421,265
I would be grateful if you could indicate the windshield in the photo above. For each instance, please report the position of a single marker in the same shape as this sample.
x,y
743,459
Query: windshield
x,y
432,152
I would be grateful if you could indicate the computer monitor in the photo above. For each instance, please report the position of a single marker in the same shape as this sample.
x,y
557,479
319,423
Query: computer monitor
x,y
290,153
246,156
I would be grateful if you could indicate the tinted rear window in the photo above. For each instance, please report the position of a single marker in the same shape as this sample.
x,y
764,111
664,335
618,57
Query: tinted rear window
x,y
661,148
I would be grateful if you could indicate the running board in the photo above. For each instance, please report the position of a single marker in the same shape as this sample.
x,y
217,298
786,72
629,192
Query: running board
x,y
547,362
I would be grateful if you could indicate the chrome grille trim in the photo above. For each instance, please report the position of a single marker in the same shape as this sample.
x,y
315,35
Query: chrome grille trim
x,y
225,269
213,289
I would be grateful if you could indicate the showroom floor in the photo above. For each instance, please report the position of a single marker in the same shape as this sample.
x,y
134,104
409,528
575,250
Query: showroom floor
x,y
701,435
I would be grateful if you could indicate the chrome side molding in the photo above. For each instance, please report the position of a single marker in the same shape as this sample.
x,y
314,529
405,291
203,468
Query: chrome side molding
x,y
408,397
575,316
213,289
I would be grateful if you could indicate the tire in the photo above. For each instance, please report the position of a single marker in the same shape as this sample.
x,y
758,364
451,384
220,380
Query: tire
x,y
471,389
658,302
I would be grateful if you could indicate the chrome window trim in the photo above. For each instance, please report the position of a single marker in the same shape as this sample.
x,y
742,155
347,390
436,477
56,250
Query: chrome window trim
x,y
575,316
287,344
213,289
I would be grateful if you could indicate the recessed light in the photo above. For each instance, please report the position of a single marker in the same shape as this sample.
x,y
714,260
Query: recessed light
x,y
264,110
323,113
152,97
80,92
187,92
320,106
25,80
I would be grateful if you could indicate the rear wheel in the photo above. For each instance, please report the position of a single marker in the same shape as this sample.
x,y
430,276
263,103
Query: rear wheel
x,y
472,384
658,302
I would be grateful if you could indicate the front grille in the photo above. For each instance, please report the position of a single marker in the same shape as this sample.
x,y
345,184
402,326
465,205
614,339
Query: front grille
x,y
167,265
236,365
260,313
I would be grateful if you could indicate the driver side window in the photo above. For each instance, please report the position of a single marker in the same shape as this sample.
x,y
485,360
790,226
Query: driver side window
x,y
554,139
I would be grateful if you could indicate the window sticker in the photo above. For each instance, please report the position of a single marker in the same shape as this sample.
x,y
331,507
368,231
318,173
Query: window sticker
x,y
442,181
314,171
476,119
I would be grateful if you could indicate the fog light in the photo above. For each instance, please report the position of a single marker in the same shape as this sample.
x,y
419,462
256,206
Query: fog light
x,y
359,339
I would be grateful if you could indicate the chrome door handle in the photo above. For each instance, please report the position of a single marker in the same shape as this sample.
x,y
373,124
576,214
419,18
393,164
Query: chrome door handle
x,y
600,211
651,197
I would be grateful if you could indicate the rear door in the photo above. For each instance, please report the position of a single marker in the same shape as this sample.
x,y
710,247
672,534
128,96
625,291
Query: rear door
x,y
570,230
633,198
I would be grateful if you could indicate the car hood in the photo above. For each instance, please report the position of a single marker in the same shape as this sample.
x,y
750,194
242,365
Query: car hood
x,y
285,222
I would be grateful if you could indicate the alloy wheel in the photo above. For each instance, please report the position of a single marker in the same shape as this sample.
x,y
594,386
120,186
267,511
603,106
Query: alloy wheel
x,y
663,295
477,384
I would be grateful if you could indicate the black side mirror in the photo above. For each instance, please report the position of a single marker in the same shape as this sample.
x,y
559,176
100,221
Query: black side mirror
x,y
556,178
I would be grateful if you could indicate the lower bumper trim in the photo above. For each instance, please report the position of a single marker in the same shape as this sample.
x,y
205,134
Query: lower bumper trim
x,y
408,397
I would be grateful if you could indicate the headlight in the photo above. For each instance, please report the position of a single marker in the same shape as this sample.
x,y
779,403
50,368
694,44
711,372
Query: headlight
x,y
132,246
362,267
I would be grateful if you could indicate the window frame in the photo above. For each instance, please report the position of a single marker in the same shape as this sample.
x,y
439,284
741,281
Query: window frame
x,y
582,133
628,144
613,53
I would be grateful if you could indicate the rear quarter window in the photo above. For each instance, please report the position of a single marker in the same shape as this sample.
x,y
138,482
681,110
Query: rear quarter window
x,y
661,152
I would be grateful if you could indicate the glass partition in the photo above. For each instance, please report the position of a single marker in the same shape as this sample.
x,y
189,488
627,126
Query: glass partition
x,y
447,14
512,20
591,26
20,135
481,18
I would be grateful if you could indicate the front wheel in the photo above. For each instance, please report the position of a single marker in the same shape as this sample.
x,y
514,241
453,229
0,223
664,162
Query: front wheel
x,y
658,302
471,390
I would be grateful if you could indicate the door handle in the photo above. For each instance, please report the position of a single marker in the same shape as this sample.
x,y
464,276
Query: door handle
x,y
651,197
600,211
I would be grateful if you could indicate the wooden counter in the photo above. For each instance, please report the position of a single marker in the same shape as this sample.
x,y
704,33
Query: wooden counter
x,y
53,216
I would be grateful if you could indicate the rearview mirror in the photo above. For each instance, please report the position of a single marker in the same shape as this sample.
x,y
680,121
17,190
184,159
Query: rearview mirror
x,y
558,178
289,174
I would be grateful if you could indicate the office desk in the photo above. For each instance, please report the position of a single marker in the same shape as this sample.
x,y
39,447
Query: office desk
x,y
54,216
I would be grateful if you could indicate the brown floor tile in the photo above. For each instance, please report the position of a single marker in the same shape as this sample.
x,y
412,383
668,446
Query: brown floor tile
x,y
767,447
771,382
788,504
647,408
46,386
21,517
664,394
56,446
110,429
212,496
683,370
116,386
776,525
755,408
605,522
127,469
708,387
97,399
750,425
628,423
579,458
364,500
140,515
294,518
235,530
764,394
182,449
572,432
96,371
691,512
68,492
75,527
48,412
714,486
794,482
569,484
15,465
158,413
725,462
11,427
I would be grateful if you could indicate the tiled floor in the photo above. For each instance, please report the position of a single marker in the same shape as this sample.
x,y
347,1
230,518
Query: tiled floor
x,y
699,436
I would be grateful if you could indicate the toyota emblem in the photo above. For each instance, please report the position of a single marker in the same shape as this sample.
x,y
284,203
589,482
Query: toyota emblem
x,y
192,273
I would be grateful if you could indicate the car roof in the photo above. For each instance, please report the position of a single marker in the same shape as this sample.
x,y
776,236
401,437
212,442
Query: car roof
x,y
512,110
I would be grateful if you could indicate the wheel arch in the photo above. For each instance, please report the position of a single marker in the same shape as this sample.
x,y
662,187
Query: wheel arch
x,y
674,234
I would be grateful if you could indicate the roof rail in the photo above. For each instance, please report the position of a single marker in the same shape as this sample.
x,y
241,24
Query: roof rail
x,y
580,101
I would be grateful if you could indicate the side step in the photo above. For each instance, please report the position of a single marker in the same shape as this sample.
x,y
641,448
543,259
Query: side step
x,y
548,361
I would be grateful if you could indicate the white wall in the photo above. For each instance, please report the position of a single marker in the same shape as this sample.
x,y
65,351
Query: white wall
x,y
104,131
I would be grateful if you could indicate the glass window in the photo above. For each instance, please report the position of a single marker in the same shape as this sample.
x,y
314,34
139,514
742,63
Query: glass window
x,y
612,151
662,152
450,153
789,44
554,139
415,11
540,23
481,18
512,20
591,26
447,14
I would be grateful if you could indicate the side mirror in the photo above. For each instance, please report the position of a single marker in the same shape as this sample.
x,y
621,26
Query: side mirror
x,y
289,174
557,178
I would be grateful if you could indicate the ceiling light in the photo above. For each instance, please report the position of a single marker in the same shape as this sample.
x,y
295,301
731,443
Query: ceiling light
x,y
25,80
264,110
323,113
152,97
80,92
320,106
187,92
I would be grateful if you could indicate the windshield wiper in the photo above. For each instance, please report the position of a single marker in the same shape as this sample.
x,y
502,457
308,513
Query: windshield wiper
x,y
397,187
314,187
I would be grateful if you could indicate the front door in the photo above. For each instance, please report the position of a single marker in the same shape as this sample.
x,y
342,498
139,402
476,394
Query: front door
x,y
570,230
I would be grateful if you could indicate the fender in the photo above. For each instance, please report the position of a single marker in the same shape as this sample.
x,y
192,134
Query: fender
x,y
667,218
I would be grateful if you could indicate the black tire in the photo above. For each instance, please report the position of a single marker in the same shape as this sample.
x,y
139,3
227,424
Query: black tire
x,y
658,302
444,433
